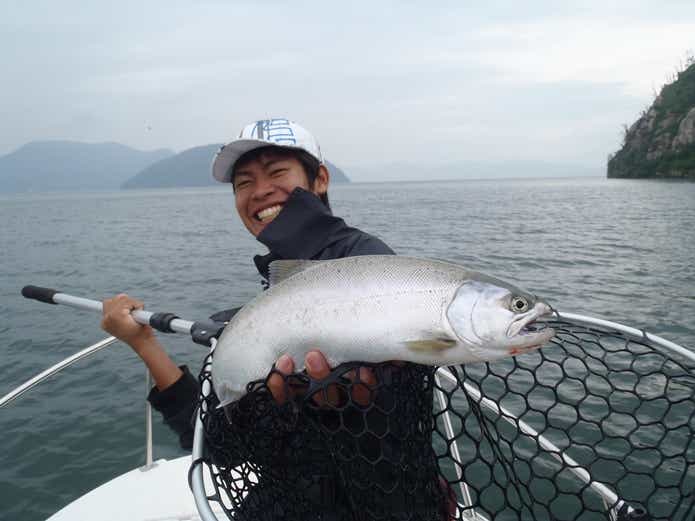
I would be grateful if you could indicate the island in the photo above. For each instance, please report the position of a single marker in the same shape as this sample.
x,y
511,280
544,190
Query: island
x,y
47,166
661,143
192,167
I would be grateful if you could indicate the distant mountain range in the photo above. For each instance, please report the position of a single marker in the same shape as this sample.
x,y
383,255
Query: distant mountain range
x,y
192,168
45,166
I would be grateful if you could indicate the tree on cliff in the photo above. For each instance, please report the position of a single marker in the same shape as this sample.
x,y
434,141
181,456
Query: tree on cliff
x,y
661,143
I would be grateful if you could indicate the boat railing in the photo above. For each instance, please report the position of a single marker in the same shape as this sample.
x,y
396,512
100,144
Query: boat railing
x,y
18,391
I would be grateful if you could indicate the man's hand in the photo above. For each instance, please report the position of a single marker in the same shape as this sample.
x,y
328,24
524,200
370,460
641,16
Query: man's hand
x,y
118,321
318,369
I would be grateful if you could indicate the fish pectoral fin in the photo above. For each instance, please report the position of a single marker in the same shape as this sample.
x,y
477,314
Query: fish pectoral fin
x,y
280,270
431,344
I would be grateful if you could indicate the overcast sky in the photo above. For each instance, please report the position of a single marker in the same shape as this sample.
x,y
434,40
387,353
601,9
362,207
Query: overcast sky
x,y
376,82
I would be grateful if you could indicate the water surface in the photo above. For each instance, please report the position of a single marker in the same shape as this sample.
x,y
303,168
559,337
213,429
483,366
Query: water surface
x,y
618,249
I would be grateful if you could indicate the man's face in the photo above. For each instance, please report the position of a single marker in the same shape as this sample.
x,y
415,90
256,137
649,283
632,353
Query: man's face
x,y
261,187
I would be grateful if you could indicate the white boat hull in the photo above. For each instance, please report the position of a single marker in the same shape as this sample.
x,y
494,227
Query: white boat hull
x,y
159,493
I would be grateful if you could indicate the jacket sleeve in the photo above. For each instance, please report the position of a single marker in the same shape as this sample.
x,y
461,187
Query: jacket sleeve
x,y
177,403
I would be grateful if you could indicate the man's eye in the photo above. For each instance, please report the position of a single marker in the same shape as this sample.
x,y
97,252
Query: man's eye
x,y
279,171
242,184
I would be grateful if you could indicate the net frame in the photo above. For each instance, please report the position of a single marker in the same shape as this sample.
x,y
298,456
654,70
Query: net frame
x,y
615,507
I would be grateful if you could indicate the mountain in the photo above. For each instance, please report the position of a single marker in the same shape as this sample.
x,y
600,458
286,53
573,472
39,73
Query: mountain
x,y
188,168
192,168
43,166
661,143
337,174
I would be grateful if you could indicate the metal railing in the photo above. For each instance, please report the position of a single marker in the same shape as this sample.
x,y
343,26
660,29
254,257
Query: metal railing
x,y
33,382
15,393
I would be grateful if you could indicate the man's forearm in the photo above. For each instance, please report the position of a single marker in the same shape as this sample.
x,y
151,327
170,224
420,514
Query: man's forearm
x,y
162,368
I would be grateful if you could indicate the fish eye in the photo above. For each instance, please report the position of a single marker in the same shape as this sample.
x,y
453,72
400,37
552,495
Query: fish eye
x,y
519,304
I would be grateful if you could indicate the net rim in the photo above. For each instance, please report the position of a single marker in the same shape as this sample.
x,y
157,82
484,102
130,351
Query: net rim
x,y
637,334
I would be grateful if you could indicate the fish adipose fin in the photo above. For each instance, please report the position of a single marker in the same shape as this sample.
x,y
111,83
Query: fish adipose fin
x,y
280,270
432,344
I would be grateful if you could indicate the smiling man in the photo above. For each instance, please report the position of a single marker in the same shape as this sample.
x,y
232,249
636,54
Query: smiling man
x,y
263,180
269,160
276,169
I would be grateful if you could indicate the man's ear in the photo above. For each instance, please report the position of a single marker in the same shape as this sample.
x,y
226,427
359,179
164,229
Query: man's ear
x,y
322,180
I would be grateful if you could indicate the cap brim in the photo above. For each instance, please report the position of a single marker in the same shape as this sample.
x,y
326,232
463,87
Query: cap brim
x,y
230,153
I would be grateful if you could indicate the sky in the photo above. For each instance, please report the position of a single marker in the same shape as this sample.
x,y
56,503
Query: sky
x,y
376,82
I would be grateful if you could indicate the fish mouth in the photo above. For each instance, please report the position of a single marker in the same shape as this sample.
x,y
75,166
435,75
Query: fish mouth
x,y
528,331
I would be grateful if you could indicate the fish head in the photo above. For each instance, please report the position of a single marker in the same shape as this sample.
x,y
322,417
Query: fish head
x,y
495,319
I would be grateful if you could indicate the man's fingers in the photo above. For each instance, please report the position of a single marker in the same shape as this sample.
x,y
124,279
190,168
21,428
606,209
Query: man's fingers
x,y
121,302
276,382
317,368
316,365
129,303
361,387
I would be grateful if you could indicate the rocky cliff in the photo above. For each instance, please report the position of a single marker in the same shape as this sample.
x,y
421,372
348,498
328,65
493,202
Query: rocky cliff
x,y
661,143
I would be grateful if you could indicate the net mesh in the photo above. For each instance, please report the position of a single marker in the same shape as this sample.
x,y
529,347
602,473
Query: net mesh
x,y
595,426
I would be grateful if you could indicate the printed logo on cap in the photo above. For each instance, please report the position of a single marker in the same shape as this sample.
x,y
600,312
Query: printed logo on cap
x,y
277,130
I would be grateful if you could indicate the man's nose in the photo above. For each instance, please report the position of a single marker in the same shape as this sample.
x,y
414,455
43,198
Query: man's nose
x,y
263,189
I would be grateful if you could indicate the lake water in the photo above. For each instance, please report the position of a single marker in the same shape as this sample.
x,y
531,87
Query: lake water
x,y
618,249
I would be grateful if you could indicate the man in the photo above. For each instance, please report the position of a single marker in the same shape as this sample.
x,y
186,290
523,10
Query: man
x,y
280,186
278,176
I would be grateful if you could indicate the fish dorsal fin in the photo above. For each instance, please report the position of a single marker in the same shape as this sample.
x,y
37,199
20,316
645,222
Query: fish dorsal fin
x,y
280,270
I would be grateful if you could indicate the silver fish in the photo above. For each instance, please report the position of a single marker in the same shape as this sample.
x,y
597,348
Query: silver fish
x,y
372,309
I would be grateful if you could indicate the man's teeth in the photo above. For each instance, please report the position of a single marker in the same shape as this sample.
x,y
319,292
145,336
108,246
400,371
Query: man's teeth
x,y
269,213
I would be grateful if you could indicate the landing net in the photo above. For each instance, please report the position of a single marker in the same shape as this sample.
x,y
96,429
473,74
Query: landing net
x,y
598,425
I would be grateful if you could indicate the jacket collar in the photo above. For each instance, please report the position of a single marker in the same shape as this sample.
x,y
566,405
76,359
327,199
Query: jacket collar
x,y
301,230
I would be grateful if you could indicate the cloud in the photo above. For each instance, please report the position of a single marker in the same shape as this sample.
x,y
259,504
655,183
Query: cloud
x,y
373,81
599,50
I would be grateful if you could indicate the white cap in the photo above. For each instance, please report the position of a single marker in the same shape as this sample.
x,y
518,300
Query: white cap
x,y
277,132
